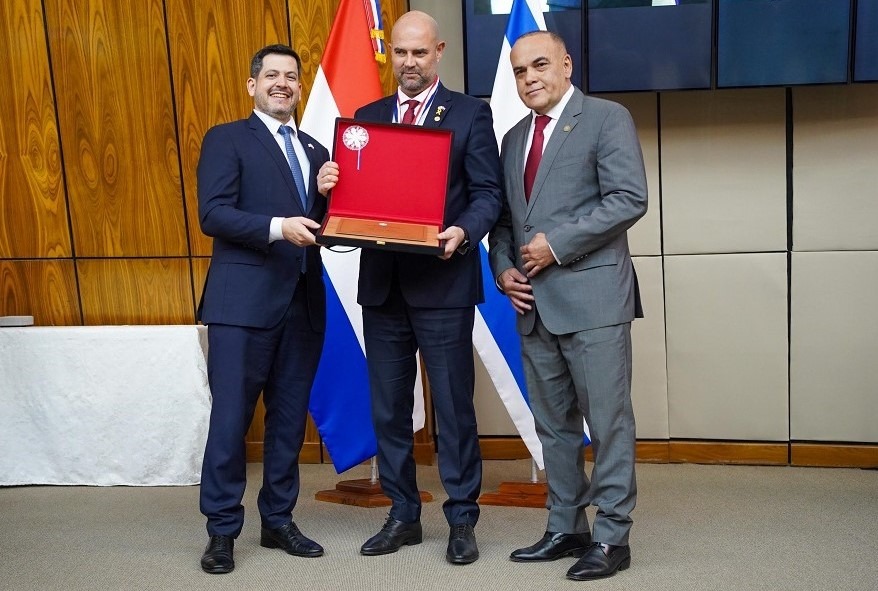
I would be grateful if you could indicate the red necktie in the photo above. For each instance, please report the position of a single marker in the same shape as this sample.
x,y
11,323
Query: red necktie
x,y
409,115
534,154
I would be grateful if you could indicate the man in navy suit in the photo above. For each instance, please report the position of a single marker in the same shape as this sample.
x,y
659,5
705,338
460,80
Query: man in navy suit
x,y
263,302
424,302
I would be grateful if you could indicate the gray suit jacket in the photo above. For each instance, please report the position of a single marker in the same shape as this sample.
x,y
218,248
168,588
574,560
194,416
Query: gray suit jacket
x,y
589,189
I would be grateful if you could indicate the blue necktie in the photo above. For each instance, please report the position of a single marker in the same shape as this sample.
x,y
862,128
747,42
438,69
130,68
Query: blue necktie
x,y
298,177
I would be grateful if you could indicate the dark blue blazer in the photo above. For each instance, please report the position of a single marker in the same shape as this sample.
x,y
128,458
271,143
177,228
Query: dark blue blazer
x,y
473,202
244,180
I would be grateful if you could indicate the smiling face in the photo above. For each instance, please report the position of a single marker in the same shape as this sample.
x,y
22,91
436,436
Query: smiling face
x,y
276,89
542,70
415,52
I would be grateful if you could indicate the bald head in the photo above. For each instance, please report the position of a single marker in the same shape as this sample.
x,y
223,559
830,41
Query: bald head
x,y
415,51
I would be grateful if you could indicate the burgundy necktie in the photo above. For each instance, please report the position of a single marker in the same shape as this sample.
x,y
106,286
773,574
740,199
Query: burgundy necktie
x,y
409,115
534,154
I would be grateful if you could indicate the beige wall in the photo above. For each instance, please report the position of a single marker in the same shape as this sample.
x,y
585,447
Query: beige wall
x,y
745,339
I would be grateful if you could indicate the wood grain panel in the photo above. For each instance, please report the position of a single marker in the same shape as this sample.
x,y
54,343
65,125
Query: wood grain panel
x,y
45,290
834,455
113,84
310,23
211,43
136,291
722,452
200,265
32,199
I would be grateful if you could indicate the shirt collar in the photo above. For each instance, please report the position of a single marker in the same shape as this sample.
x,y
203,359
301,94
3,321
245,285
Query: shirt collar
x,y
273,124
556,111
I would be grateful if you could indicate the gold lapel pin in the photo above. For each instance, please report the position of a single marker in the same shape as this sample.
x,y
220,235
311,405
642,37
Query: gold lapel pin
x,y
439,111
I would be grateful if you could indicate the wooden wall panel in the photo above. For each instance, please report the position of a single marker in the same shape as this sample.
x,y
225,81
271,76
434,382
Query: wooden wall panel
x,y
136,291
45,290
112,78
310,23
32,199
211,44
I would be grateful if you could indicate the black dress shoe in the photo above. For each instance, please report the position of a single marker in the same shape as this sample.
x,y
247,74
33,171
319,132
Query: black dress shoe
x,y
462,548
601,560
553,546
394,535
218,556
289,539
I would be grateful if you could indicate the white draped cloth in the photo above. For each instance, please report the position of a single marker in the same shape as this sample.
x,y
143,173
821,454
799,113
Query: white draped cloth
x,y
103,405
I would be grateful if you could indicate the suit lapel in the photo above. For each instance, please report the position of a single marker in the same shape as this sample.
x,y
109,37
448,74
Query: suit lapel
x,y
565,124
309,144
442,102
264,136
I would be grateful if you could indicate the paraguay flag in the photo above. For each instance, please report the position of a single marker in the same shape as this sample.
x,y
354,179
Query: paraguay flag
x,y
346,80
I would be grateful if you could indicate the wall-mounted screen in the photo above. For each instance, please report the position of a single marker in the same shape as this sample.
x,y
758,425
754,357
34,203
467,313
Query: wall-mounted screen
x,y
485,25
866,44
781,42
649,44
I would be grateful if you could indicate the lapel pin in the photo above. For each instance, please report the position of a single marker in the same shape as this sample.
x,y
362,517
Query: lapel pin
x,y
311,146
566,128
439,110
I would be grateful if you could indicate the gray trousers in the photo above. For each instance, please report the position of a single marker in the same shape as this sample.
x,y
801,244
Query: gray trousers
x,y
584,374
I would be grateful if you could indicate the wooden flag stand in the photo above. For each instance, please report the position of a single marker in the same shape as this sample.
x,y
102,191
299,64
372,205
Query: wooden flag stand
x,y
519,494
363,492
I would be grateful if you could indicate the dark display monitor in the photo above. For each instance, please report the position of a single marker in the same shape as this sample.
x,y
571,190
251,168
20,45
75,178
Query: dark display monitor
x,y
782,42
866,44
484,27
646,45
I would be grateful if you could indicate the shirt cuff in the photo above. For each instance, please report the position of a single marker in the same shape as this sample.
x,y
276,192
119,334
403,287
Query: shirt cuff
x,y
275,231
557,260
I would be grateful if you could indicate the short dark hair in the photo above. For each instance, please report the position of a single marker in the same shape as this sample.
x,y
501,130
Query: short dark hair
x,y
551,35
277,48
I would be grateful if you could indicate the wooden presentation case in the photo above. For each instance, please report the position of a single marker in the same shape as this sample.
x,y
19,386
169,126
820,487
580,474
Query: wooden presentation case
x,y
391,189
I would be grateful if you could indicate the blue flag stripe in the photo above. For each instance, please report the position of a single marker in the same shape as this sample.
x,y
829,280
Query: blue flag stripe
x,y
342,382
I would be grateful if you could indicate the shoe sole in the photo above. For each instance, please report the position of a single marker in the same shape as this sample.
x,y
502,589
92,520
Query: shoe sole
x,y
269,543
622,566
408,542
576,553
461,560
217,570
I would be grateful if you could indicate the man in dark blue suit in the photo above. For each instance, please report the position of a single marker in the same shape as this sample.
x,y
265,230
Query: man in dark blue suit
x,y
263,302
424,302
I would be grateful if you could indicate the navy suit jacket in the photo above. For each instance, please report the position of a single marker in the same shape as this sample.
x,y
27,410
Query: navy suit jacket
x,y
244,180
473,202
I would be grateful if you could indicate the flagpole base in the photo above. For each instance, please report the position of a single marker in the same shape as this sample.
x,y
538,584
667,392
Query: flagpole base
x,y
361,493
517,494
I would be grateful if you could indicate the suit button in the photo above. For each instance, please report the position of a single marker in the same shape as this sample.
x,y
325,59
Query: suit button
x,y
528,228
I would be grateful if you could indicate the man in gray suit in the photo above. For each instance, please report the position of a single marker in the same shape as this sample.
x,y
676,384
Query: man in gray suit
x,y
575,183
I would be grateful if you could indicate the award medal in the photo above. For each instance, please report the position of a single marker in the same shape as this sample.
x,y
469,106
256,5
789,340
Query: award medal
x,y
355,138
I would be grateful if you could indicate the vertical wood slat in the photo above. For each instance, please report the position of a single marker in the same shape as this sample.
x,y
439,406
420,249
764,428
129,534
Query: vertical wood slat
x,y
136,291
211,44
112,79
34,219
43,289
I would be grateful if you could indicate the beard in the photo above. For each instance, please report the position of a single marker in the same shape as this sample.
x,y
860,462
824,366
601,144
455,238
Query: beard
x,y
413,86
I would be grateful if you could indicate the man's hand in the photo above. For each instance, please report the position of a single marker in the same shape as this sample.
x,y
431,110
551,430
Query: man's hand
x,y
298,230
327,177
453,237
517,289
537,255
